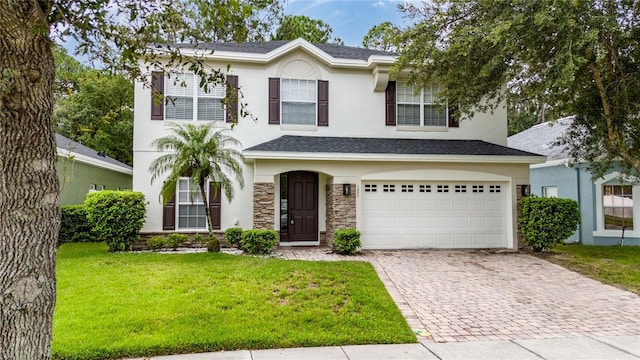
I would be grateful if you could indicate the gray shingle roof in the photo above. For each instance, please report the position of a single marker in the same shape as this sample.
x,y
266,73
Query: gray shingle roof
x,y
541,139
73,146
350,145
337,51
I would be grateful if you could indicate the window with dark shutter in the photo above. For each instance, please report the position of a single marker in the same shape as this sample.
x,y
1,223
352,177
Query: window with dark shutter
x,y
323,103
169,214
232,98
453,119
390,102
214,206
157,95
274,101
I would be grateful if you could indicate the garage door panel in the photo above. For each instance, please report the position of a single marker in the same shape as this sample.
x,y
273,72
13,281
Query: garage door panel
x,y
434,214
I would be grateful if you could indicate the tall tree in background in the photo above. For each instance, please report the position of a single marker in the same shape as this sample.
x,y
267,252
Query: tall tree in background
x,y
577,57
382,37
68,72
117,34
315,31
99,114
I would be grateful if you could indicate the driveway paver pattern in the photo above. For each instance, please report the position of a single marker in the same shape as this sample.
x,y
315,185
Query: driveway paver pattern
x,y
474,295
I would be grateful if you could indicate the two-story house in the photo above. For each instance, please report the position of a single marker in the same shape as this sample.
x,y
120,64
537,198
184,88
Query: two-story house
x,y
339,144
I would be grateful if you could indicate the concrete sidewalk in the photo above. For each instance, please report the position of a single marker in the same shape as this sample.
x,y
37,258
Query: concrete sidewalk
x,y
579,348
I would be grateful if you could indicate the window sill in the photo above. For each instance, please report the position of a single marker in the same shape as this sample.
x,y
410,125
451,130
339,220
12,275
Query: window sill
x,y
616,233
298,127
422,128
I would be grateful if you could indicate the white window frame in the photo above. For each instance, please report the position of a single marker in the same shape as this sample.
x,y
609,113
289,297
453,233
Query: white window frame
x,y
284,100
189,202
549,191
173,89
599,185
422,103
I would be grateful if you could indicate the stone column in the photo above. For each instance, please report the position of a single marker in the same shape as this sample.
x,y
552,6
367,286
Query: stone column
x,y
263,205
341,210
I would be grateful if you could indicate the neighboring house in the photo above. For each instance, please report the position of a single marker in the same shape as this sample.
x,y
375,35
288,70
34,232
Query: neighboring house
x,y
82,170
606,204
336,144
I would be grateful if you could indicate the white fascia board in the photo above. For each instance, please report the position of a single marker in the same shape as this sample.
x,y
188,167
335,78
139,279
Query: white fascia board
x,y
299,43
552,163
279,155
94,162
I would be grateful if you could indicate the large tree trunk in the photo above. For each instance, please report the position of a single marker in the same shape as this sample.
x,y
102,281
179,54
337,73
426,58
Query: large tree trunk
x,y
29,199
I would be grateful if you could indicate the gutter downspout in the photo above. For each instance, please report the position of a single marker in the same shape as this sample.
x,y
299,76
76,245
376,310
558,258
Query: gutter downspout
x,y
578,185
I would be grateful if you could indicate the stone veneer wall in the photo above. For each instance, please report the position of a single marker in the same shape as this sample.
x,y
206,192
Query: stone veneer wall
x,y
263,205
341,210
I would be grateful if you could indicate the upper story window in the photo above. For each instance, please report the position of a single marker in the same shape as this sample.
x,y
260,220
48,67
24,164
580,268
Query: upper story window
x,y
404,106
420,108
186,100
299,101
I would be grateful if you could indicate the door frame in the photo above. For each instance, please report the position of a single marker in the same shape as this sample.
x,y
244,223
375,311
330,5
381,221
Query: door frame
x,y
317,195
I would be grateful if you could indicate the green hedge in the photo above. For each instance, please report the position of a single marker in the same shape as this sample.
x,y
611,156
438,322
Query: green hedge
x,y
75,225
547,222
116,216
347,241
233,236
259,242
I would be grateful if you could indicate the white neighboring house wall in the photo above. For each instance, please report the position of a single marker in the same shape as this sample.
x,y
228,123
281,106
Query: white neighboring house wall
x,y
356,109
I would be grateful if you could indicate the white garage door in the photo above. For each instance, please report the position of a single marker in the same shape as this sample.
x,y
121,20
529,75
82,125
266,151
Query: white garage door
x,y
409,215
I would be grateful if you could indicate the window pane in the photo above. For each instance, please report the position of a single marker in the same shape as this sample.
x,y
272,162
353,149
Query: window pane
x,y
298,113
617,201
435,116
406,94
217,91
210,109
408,114
181,85
298,90
179,108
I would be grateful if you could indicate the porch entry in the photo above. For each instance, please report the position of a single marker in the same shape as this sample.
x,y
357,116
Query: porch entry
x,y
298,207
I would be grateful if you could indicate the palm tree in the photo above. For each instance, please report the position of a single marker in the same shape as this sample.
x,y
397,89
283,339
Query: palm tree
x,y
201,153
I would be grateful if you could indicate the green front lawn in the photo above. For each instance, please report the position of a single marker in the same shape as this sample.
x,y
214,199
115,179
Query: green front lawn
x,y
614,265
129,305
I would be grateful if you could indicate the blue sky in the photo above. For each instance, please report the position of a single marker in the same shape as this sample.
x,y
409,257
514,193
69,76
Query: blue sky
x,y
350,19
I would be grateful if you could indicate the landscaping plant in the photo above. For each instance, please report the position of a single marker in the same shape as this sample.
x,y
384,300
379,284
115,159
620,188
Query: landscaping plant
x,y
175,240
233,236
547,222
116,216
213,245
259,242
156,242
346,241
75,226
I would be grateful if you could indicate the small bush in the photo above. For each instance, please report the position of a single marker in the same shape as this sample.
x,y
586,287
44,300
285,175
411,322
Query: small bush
x,y
213,245
346,241
75,226
156,242
233,236
116,216
258,242
175,240
200,238
547,222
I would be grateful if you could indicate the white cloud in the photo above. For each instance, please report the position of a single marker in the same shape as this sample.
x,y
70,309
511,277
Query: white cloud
x,y
379,3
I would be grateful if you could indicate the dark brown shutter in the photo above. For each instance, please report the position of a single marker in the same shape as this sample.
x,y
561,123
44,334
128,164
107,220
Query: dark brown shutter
x,y
214,206
453,116
157,95
274,101
169,214
323,103
390,101
232,93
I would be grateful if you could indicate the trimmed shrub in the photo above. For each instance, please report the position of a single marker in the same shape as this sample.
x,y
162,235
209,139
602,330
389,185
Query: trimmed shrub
x,y
213,245
233,236
156,242
547,222
175,240
346,241
116,216
75,226
200,238
258,242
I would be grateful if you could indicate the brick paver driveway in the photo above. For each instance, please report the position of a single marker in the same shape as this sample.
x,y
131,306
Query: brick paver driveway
x,y
484,295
